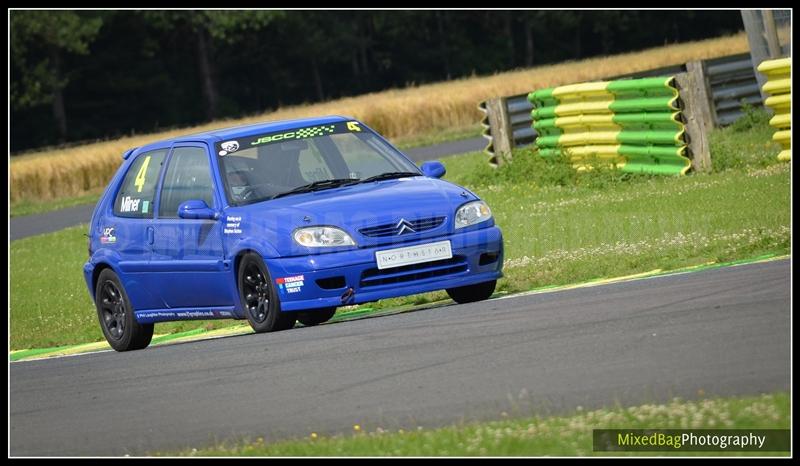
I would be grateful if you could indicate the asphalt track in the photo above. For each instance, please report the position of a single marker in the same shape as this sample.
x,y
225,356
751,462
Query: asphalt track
x,y
725,331
30,225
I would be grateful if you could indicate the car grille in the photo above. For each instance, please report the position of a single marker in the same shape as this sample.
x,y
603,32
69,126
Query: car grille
x,y
397,228
408,273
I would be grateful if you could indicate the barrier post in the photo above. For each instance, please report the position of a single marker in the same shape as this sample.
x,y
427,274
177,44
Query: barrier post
x,y
500,124
697,112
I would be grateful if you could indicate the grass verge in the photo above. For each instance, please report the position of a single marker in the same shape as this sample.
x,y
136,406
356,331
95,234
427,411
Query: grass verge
x,y
397,113
569,435
560,227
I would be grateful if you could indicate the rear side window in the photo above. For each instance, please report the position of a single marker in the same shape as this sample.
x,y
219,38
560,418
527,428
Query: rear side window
x,y
188,177
138,190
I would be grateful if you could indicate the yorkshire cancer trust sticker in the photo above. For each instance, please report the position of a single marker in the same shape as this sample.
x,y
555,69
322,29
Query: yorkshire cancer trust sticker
x,y
290,284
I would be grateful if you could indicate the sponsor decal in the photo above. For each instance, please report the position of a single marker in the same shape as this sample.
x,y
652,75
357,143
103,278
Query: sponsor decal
x,y
301,133
293,284
233,225
109,235
129,204
229,147
140,179
188,314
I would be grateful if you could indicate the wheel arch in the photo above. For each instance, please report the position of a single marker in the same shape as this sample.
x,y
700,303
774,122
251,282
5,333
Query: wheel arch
x,y
98,269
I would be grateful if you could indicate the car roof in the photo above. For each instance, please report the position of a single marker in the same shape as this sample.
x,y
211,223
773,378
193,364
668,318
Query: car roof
x,y
222,134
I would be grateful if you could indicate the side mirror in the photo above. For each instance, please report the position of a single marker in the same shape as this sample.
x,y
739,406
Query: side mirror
x,y
433,169
197,209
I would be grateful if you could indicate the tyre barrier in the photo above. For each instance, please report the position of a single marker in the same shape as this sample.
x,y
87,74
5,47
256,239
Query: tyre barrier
x,y
779,88
634,125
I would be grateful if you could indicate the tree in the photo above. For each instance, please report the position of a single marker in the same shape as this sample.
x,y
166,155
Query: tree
x,y
205,27
39,42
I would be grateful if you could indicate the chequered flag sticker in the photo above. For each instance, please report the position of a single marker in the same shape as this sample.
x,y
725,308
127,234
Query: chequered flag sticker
x,y
314,131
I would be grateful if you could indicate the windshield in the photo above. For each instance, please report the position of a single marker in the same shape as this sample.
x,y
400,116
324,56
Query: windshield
x,y
272,165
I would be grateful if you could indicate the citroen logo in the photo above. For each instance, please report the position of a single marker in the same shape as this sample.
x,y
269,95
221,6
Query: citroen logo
x,y
404,227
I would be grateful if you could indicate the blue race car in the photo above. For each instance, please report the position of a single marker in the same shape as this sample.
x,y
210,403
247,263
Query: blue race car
x,y
277,223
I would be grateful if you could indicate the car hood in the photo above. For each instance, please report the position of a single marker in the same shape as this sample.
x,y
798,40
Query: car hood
x,y
352,208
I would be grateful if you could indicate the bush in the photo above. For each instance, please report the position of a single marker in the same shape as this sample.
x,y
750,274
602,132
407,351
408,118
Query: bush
x,y
527,167
745,143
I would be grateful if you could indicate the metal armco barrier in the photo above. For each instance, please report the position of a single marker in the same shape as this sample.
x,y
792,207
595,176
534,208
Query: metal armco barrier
x,y
779,89
730,83
634,125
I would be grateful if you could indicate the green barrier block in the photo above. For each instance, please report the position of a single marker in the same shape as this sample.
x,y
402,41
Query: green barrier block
x,y
656,165
651,137
665,119
544,112
643,85
548,141
547,127
542,95
653,151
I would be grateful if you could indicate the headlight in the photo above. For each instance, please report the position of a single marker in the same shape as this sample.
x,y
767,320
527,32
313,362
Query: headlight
x,y
320,237
472,213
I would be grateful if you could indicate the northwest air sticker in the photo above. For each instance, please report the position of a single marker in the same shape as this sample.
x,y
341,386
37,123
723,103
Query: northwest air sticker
x,y
109,235
290,284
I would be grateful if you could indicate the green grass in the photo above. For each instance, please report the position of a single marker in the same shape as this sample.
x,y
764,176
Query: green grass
x,y
568,435
50,303
559,227
438,137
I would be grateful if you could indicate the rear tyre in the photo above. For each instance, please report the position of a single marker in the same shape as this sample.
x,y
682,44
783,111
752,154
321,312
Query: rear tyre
x,y
472,293
117,319
259,298
316,317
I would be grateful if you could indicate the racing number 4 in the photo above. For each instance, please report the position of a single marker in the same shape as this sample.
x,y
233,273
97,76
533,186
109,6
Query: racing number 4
x,y
140,177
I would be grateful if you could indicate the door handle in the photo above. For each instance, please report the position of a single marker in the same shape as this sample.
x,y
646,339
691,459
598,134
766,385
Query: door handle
x,y
151,235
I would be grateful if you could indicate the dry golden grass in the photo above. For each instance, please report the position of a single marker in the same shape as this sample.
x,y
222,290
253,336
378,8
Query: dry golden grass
x,y
394,113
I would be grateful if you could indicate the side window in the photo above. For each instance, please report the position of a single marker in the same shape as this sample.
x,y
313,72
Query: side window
x,y
138,190
188,177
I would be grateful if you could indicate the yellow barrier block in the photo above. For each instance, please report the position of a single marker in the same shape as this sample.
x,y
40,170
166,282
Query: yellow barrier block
x,y
584,123
773,67
586,120
779,86
588,138
577,108
781,120
779,101
783,137
607,151
577,91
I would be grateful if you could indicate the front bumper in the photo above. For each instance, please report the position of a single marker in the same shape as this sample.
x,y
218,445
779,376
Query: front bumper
x,y
351,277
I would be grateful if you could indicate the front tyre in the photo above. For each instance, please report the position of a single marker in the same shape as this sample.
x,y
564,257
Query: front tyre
x,y
472,293
316,317
117,319
259,298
